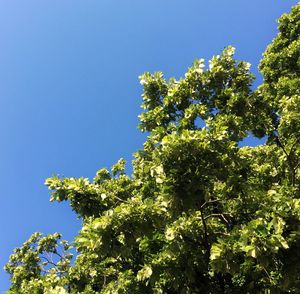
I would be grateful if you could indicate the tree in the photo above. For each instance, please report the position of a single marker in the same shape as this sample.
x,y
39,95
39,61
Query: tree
x,y
200,213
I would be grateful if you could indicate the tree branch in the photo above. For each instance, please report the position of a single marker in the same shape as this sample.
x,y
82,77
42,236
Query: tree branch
x,y
218,214
49,261
209,202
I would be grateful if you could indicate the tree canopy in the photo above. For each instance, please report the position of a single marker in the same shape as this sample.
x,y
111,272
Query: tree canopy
x,y
199,213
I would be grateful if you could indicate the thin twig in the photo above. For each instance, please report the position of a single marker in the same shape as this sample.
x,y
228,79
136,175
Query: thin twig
x,y
121,200
50,262
209,202
217,214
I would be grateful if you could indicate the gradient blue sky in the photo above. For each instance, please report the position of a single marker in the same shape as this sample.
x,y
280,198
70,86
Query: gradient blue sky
x,y
69,93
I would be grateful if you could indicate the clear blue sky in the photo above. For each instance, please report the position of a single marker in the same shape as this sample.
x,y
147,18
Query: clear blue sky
x,y
69,93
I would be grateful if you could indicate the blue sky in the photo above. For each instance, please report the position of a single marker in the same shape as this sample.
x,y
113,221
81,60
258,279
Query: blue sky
x,y
69,90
